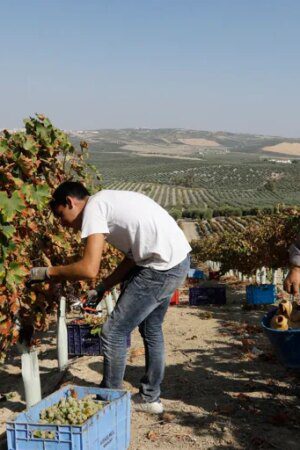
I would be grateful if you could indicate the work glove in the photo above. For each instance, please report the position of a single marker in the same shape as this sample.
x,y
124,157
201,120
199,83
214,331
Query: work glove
x,y
38,275
94,296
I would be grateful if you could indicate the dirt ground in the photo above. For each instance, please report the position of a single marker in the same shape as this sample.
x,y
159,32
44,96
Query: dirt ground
x,y
223,387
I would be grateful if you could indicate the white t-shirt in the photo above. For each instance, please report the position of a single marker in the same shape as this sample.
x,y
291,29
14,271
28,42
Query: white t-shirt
x,y
137,226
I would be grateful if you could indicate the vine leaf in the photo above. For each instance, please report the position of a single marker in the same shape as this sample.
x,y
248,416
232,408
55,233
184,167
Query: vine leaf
x,y
10,206
2,274
36,195
7,230
30,144
15,275
3,146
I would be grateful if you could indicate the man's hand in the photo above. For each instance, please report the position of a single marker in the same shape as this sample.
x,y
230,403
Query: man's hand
x,y
292,282
95,296
38,274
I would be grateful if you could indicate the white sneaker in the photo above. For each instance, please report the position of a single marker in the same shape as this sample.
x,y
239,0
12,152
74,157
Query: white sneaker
x,y
152,407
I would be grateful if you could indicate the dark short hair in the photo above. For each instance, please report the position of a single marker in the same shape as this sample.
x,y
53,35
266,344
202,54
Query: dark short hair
x,y
67,189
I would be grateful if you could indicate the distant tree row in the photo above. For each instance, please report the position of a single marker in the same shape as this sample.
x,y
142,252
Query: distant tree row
x,y
223,211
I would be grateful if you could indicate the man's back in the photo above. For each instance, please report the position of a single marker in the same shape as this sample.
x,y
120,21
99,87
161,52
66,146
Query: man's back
x,y
137,226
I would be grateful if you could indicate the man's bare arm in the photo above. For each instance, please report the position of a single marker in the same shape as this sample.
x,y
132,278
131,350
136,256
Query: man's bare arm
x,y
87,267
292,282
119,274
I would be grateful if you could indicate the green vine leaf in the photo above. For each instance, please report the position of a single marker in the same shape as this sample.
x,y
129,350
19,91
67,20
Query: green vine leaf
x,y
30,144
2,273
10,206
7,249
7,230
15,275
3,146
36,195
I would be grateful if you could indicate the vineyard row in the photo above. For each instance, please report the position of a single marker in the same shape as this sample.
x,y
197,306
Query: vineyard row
x,y
172,196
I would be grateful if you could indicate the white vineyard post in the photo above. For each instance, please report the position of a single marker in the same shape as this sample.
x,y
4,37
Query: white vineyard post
x,y
215,266
115,295
263,275
109,303
30,375
274,276
284,274
62,335
257,276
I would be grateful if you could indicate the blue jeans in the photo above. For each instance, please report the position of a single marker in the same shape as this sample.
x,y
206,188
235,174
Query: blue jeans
x,y
143,302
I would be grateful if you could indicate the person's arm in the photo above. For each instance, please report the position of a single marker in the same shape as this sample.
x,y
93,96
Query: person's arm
x,y
87,267
119,274
292,281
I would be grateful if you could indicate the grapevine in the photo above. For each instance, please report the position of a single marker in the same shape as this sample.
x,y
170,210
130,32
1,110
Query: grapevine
x,y
263,243
33,162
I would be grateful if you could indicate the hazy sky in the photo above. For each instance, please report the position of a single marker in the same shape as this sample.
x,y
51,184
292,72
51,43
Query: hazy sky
x,y
229,65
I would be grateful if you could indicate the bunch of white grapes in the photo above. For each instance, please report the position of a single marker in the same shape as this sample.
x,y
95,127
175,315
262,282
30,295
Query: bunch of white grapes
x,y
70,411
39,434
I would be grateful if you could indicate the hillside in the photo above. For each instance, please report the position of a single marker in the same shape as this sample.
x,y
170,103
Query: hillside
x,y
187,169
177,141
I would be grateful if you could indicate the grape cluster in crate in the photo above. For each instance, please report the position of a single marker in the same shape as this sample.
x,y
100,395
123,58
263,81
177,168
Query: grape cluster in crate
x,y
71,410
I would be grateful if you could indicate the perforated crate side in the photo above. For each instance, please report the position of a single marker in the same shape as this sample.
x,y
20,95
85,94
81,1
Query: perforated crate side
x,y
109,429
82,343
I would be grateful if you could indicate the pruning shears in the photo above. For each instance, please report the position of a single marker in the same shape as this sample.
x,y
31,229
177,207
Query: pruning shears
x,y
86,308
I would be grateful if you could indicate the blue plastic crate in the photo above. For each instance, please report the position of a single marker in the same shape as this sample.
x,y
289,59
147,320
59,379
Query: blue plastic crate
x,y
81,342
264,294
205,295
196,273
285,343
108,429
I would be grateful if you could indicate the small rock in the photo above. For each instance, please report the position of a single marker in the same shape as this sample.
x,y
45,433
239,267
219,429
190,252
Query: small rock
x,y
152,436
167,417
